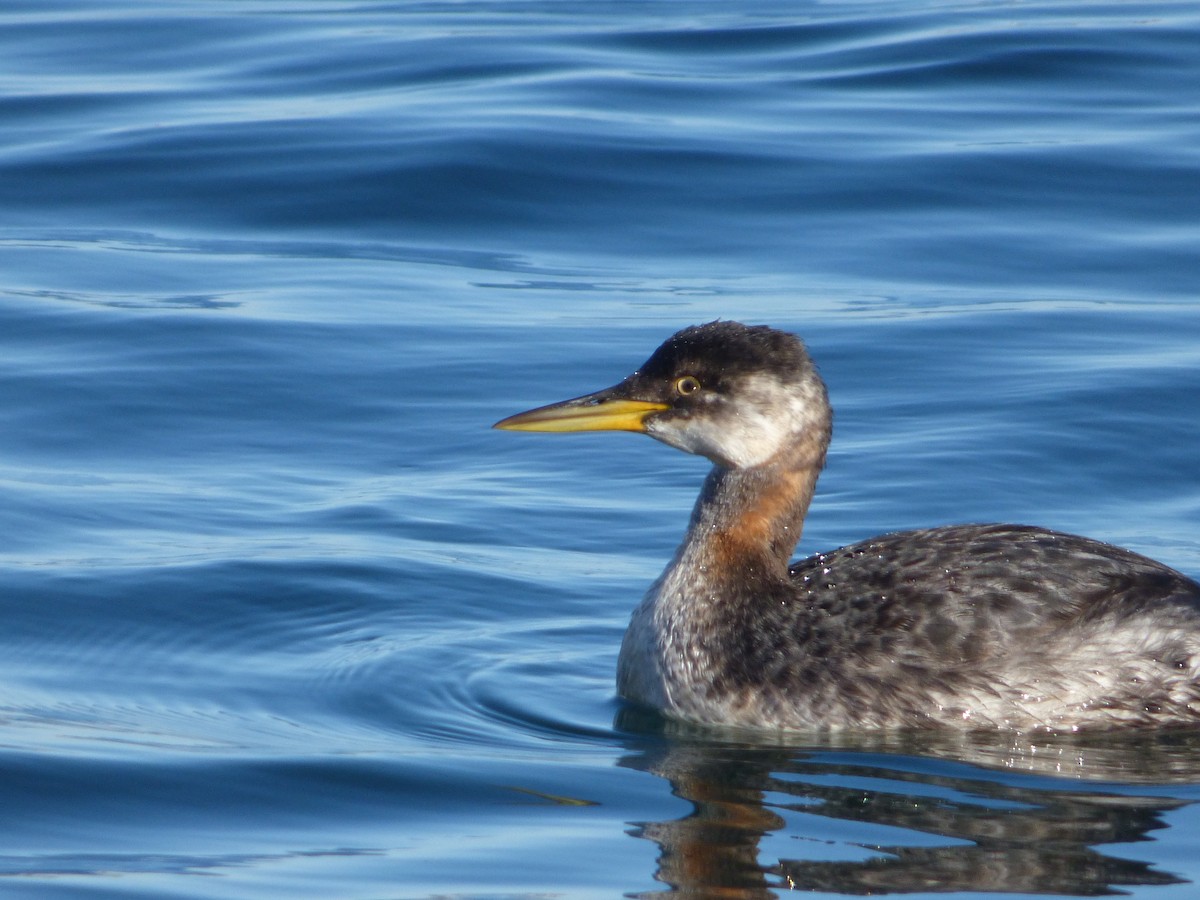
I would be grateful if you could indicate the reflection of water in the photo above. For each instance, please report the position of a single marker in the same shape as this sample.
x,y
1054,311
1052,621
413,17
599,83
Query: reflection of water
x,y
1007,828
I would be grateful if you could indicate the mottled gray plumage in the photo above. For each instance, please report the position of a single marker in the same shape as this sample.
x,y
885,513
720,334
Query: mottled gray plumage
x,y
970,626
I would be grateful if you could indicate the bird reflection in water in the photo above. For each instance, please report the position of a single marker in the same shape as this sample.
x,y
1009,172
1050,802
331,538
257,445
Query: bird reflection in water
x,y
994,830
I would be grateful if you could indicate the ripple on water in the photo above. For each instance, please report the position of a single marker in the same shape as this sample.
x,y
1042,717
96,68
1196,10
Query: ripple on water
x,y
351,653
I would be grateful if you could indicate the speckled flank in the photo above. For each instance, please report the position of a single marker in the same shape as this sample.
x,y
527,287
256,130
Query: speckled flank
x,y
945,626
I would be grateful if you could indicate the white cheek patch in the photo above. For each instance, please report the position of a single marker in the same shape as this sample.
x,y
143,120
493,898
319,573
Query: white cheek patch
x,y
741,442
767,416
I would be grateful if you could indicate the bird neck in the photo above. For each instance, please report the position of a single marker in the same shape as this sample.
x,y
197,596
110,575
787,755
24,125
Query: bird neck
x,y
751,519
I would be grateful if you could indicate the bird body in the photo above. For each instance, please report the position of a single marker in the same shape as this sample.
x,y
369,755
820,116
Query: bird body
x,y
966,626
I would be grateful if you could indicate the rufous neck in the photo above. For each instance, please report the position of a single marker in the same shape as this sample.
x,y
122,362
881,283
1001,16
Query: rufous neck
x,y
752,517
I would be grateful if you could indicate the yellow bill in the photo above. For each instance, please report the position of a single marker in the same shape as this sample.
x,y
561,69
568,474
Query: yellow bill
x,y
590,413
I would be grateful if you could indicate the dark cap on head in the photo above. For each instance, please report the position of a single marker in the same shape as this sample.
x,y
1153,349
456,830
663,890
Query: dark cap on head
x,y
723,350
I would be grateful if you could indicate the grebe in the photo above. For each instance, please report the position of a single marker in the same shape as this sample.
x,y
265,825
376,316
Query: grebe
x,y
1001,626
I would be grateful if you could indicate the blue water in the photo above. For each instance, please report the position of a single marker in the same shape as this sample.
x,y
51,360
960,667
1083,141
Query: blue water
x,y
282,617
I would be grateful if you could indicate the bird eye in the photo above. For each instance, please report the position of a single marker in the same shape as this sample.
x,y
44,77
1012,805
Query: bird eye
x,y
688,384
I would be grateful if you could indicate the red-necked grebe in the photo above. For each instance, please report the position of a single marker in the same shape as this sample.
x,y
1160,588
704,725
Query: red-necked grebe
x,y
972,626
